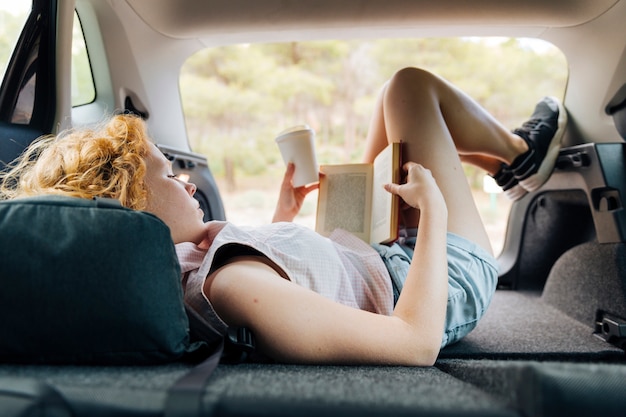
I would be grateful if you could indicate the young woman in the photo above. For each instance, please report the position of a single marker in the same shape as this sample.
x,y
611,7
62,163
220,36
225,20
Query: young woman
x,y
313,299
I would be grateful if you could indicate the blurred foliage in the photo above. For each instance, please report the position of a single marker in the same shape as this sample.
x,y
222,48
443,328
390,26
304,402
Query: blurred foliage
x,y
10,28
83,88
12,17
237,98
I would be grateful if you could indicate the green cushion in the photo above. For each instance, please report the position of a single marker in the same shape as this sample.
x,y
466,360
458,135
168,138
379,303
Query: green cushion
x,y
87,281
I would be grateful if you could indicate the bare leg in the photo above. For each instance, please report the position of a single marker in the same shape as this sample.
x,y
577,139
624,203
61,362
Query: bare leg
x,y
439,125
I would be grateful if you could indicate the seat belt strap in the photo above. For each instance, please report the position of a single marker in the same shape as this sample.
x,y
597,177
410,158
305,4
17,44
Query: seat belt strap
x,y
184,398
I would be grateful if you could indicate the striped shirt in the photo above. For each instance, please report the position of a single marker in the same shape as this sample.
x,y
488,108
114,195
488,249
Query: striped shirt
x,y
341,267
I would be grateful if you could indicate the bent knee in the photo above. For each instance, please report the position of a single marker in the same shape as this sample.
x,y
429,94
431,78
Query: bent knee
x,y
414,78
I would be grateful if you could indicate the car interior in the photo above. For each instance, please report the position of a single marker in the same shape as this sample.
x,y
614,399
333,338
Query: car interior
x,y
552,342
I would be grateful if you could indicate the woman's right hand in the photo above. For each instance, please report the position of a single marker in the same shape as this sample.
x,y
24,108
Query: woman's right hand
x,y
420,190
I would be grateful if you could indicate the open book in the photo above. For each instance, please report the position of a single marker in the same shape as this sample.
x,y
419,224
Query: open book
x,y
352,197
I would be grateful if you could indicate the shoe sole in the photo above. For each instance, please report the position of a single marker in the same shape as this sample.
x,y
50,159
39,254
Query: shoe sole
x,y
536,180
515,193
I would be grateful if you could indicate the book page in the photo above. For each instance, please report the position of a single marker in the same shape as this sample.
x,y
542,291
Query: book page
x,y
344,200
384,204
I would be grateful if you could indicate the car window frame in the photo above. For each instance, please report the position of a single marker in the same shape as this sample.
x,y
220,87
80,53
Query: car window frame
x,y
34,55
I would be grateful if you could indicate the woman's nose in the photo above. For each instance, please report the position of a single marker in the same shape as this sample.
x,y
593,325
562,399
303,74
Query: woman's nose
x,y
191,188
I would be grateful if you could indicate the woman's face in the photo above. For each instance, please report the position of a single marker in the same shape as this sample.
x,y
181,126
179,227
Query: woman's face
x,y
171,200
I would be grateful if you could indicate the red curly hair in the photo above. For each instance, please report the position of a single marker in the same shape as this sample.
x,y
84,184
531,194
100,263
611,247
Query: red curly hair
x,y
108,161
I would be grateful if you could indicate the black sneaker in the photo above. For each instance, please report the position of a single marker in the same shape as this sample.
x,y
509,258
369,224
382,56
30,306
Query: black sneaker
x,y
509,184
543,133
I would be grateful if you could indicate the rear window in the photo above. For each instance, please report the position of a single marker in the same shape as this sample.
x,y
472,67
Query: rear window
x,y
237,98
13,15
83,89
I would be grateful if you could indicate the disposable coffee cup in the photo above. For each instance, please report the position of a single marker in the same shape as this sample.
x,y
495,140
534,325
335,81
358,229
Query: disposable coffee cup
x,y
297,145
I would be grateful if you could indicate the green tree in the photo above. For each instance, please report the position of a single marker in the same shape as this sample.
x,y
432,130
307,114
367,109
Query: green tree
x,y
10,28
237,98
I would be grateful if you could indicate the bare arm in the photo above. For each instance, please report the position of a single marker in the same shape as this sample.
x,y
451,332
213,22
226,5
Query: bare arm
x,y
425,292
290,199
294,324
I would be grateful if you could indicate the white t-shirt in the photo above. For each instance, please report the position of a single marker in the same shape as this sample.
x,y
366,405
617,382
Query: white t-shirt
x,y
342,267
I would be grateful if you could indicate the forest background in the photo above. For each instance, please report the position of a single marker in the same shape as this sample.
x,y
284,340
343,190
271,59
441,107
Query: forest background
x,y
237,98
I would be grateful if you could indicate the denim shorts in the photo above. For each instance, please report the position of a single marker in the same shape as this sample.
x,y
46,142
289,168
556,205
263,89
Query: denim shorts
x,y
472,280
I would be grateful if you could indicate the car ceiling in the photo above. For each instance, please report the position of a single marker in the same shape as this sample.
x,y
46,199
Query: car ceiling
x,y
190,18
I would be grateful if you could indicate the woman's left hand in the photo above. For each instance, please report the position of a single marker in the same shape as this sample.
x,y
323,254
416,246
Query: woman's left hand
x,y
290,199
